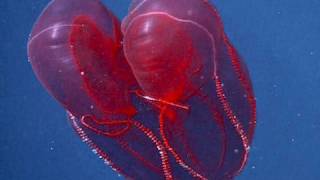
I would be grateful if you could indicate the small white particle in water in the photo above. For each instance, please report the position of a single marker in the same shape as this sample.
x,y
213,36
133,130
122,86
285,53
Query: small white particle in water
x,y
253,167
91,107
299,114
51,148
236,151
94,151
82,73
292,140
311,53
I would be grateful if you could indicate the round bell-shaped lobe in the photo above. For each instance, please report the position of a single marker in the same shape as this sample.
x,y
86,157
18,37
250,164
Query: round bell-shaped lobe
x,y
186,67
74,48
172,45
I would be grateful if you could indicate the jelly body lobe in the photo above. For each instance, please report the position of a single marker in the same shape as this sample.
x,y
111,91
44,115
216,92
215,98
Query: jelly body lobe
x,y
182,60
50,51
166,45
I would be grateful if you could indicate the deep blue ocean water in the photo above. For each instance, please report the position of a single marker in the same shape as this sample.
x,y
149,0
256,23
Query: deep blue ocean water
x,y
279,40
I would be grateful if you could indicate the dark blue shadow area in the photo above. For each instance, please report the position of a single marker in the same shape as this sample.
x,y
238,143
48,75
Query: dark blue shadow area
x,y
279,41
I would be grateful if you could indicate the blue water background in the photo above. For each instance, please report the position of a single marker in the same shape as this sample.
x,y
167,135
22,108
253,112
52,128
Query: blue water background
x,y
279,40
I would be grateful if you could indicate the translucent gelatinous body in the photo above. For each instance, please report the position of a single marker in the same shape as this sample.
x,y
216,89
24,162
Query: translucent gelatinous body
x,y
164,96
